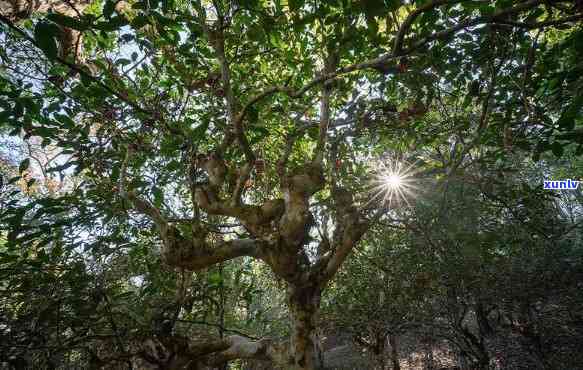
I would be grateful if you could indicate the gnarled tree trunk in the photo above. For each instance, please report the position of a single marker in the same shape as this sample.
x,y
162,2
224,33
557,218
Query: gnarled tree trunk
x,y
305,350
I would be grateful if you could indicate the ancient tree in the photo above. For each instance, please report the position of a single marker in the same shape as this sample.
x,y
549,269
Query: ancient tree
x,y
244,112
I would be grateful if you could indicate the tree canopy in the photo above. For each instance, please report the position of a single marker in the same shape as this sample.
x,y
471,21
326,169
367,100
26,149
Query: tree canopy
x,y
205,184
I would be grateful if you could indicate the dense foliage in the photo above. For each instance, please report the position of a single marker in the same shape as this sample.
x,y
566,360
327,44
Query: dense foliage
x,y
290,184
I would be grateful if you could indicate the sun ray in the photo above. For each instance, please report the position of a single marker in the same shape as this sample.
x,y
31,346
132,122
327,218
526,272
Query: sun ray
x,y
392,182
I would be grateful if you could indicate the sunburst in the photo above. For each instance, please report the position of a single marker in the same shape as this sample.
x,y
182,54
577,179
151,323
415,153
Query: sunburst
x,y
392,182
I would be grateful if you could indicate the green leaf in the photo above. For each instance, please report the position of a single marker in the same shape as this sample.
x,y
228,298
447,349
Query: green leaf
x,y
373,26
260,130
108,8
247,3
215,278
124,295
158,197
65,120
557,149
393,5
122,62
140,21
567,120
68,22
374,8
4,115
504,3
295,5
113,24
24,165
200,130
45,35
13,180
62,167
487,9
173,165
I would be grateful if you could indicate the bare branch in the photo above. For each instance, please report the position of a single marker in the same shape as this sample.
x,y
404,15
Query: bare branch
x,y
535,25
217,39
226,330
398,44
492,18
281,164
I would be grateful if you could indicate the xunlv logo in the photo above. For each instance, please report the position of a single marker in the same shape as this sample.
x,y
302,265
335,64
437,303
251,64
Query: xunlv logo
x,y
562,184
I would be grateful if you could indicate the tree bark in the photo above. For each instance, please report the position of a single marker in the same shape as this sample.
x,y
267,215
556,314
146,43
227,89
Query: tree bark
x,y
394,352
429,354
305,351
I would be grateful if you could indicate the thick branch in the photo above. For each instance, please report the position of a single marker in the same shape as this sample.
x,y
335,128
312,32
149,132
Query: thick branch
x,y
350,228
351,235
190,252
244,173
254,218
282,163
330,65
193,258
203,349
239,347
